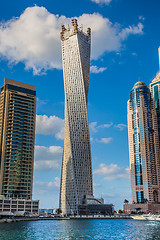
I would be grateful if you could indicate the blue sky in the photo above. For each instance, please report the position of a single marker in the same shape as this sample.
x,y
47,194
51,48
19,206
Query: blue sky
x,y
125,41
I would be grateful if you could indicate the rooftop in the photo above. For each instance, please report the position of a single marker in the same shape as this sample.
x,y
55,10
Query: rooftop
x,y
139,85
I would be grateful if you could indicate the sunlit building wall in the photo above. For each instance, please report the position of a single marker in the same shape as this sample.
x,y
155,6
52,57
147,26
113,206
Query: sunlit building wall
x,y
143,145
155,92
17,135
76,176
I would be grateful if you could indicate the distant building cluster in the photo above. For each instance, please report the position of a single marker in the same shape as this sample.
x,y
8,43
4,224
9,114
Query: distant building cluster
x,y
144,144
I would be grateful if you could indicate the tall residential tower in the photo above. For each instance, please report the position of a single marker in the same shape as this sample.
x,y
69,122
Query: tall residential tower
x,y
76,176
143,146
155,92
17,134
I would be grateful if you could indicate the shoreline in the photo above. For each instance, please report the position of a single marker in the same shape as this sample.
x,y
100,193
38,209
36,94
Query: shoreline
x,y
23,219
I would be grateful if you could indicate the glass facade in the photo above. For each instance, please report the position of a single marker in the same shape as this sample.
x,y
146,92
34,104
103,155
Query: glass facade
x,y
156,95
155,91
143,143
17,116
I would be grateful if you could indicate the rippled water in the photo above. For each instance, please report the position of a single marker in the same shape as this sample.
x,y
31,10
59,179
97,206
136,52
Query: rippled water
x,y
81,229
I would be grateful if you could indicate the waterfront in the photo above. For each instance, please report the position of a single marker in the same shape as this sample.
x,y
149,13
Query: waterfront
x,y
81,229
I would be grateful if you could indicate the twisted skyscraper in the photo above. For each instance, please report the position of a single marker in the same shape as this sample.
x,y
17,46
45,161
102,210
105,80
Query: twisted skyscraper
x,y
76,176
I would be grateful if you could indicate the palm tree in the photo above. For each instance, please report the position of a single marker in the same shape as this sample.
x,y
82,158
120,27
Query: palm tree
x,y
126,201
58,211
145,200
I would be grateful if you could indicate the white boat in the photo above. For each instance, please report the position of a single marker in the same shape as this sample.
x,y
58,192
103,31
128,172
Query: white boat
x,y
157,218
140,217
151,217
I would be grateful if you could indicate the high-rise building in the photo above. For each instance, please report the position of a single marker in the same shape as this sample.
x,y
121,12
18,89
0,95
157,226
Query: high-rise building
x,y
17,134
76,176
143,146
155,92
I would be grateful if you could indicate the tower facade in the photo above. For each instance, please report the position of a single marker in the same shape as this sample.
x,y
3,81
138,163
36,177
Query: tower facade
x,y
17,134
143,146
155,92
76,175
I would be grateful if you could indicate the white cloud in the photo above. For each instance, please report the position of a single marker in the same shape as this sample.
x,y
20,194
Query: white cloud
x,y
94,126
131,30
41,102
46,165
141,18
121,126
109,195
46,187
96,185
48,158
106,140
112,172
34,37
51,125
91,139
107,2
107,125
95,69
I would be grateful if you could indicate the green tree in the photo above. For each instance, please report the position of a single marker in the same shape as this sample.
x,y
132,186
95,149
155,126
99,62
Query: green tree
x,y
17,172
126,201
58,211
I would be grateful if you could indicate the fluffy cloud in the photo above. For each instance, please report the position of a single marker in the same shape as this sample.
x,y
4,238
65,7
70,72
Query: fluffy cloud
x,y
48,158
95,69
107,2
121,126
96,185
112,172
50,126
131,30
46,187
106,140
94,126
34,37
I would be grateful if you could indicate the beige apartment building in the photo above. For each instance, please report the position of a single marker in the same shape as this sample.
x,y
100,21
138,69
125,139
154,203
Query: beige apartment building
x,y
17,137
143,146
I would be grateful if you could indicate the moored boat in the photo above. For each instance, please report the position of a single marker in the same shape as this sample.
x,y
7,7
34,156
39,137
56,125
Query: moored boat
x,y
140,217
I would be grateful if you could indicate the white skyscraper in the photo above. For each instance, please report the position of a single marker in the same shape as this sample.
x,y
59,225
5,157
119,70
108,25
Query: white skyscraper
x,y
76,176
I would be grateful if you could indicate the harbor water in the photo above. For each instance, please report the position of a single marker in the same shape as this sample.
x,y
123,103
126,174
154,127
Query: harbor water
x,y
81,229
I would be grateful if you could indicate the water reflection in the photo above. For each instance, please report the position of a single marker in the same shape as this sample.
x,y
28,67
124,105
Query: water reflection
x,y
81,229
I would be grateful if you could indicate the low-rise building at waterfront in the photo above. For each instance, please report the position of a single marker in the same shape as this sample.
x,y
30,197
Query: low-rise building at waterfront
x,y
96,209
95,206
143,208
9,206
